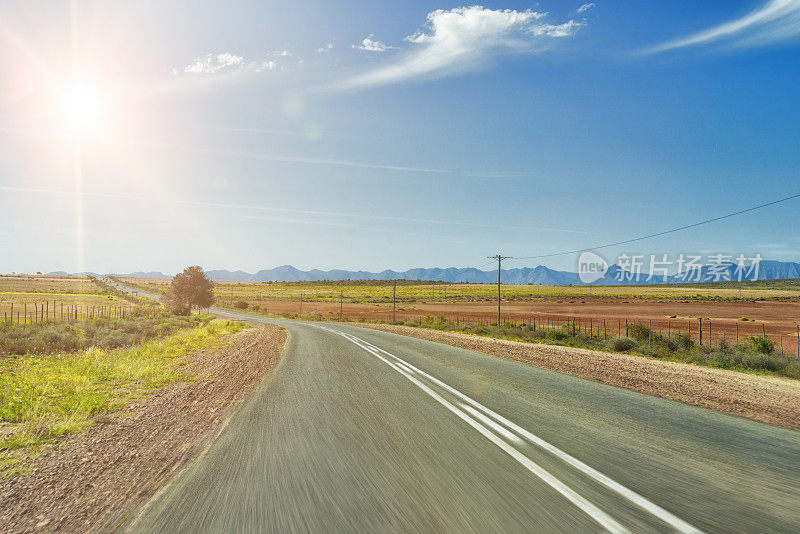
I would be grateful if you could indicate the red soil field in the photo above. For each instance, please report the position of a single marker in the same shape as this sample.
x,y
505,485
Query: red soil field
x,y
778,319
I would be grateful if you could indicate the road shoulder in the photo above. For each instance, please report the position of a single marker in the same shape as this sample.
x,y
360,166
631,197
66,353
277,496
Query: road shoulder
x,y
769,399
94,480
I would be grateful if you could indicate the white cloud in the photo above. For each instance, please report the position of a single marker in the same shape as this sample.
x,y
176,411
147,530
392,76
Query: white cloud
x,y
262,66
586,7
775,21
211,63
327,48
371,45
227,62
463,38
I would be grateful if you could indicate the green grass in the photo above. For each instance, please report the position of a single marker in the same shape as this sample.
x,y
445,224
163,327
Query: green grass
x,y
43,397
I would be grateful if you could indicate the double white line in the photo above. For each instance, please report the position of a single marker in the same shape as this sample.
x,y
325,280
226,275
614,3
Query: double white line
x,y
503,433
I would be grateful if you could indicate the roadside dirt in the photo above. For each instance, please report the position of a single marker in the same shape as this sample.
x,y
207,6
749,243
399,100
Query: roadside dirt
x,y
90,482
769,399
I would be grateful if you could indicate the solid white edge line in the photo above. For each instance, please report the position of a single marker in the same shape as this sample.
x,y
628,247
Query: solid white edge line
x,y
677,523
599,516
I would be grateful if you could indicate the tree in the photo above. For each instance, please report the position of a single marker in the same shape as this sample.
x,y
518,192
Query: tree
x,y
189,289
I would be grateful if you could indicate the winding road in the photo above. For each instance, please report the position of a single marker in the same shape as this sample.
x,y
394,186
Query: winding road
x,y
357,430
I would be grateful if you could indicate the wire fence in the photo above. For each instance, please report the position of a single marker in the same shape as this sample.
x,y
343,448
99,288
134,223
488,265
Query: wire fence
x,y
705,332
38,312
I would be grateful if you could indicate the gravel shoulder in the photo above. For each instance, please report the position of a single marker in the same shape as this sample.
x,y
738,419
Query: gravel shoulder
x,y
93,481
773,400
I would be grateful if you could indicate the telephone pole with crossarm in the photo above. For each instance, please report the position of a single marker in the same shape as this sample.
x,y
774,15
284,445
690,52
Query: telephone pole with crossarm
x,y
499,259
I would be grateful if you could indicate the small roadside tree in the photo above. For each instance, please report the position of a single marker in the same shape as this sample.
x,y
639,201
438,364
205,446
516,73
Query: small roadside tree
x,y
188,290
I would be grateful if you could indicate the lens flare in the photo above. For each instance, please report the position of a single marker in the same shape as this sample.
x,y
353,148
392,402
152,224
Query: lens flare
x,y
82,107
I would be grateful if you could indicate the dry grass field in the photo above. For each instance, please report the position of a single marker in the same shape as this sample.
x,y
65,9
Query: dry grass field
x,y
45,296
369,292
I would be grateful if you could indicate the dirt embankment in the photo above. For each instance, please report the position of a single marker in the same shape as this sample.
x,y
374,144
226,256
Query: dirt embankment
x,y
769,399
91,481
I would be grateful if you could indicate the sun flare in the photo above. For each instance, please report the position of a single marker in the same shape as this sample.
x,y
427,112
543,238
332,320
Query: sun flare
x,y
82,107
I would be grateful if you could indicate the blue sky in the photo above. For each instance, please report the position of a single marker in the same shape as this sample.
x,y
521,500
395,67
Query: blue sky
x,y
364,135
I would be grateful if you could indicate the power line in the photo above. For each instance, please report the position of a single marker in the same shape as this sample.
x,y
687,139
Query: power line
x,y
665,232
485,264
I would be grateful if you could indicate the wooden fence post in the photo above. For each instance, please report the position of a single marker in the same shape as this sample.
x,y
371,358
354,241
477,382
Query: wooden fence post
x,y
701,330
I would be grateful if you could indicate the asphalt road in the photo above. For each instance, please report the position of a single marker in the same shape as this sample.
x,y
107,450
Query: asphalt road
x,y
356,430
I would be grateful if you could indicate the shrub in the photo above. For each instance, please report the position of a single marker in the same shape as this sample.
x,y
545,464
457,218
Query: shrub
x,y
649,350
557,335
538,334
684,341
622,344
182,311
255,307
240,305
761,344
639,332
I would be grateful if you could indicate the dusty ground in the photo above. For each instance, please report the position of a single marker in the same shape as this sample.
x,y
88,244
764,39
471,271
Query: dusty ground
x,y
90,481
764,398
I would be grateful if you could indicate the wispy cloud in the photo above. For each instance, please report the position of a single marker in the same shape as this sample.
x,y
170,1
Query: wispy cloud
x,y
464,38
371,45
586,7
227,62
295,211
323,49
774,22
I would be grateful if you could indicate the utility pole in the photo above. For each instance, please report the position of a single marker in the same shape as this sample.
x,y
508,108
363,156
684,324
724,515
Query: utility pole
x,y
301,305
341,298
394,302
499,259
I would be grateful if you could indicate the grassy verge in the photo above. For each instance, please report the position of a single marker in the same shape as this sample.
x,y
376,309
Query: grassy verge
x,y
53,336
755,355
45,396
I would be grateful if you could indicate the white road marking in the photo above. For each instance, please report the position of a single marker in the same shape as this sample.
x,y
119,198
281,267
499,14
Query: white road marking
x,y
675,522
602,518
497,427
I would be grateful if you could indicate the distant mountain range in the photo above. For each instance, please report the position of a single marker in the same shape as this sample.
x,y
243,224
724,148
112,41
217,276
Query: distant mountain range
x,y
541,275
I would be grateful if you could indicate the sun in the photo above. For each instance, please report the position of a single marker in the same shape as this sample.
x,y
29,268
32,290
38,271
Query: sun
x,y
82,107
